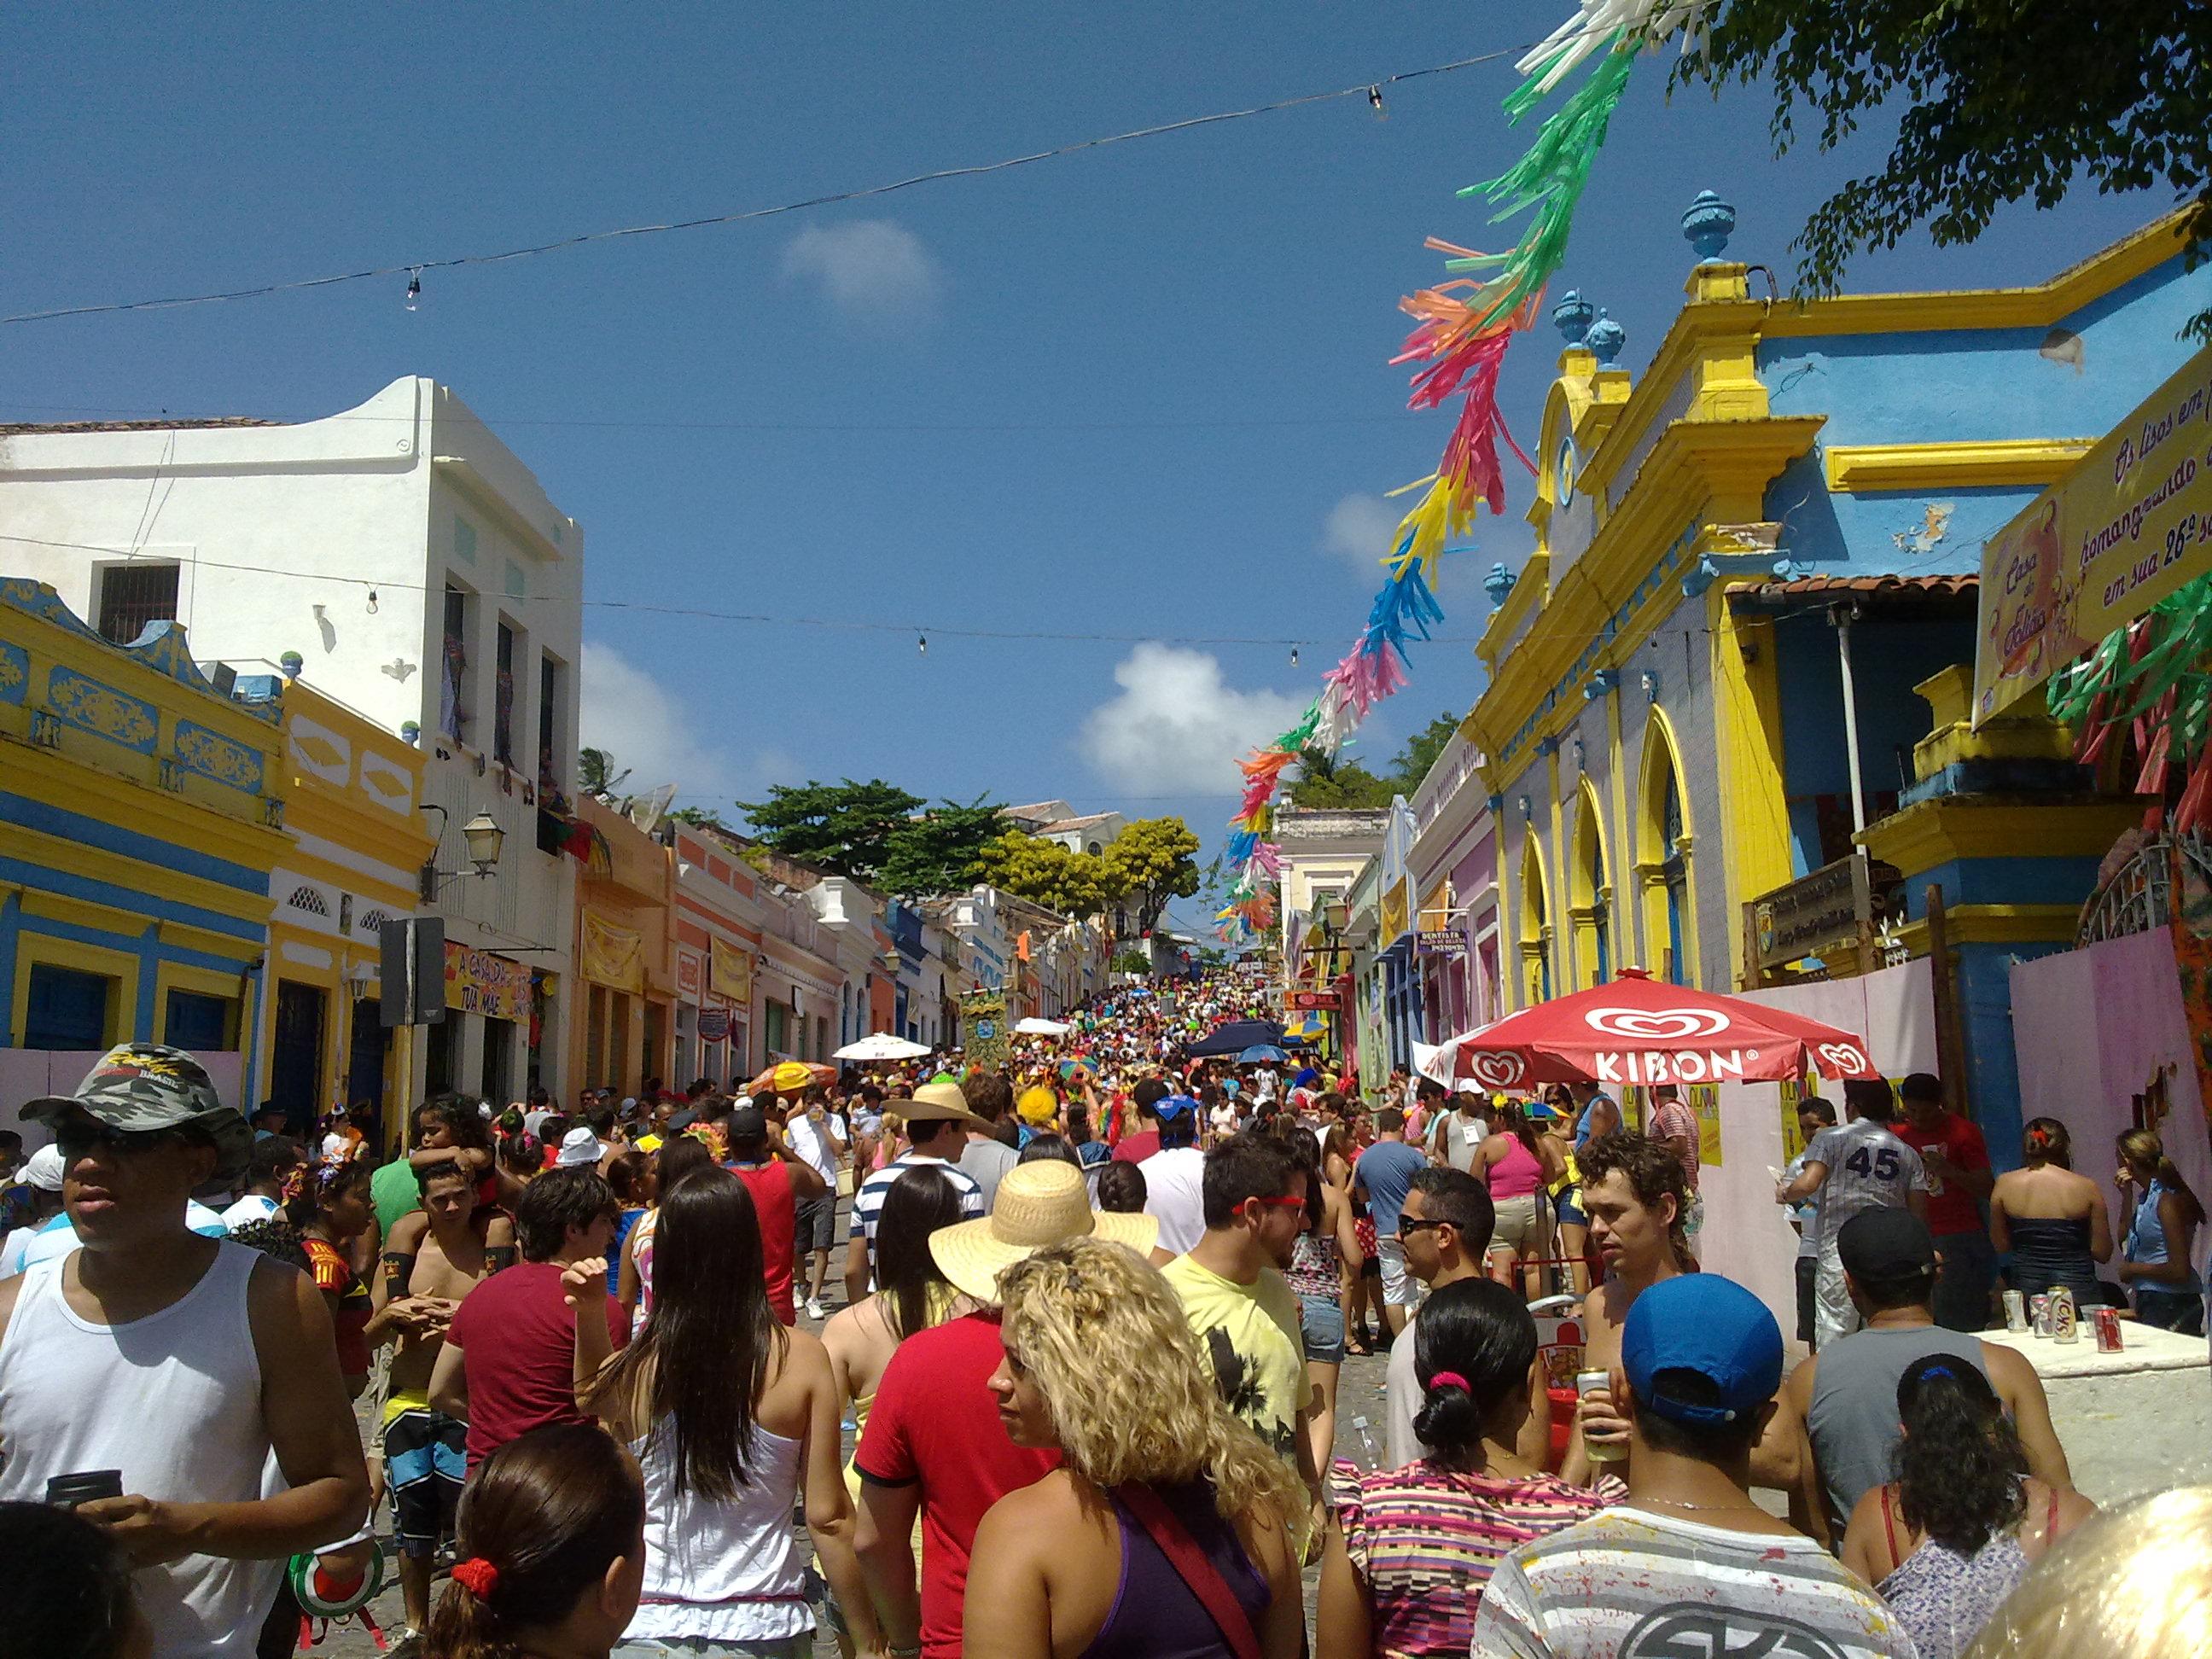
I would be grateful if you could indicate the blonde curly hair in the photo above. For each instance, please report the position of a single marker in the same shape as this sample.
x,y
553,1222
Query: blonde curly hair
x,y
1104,1338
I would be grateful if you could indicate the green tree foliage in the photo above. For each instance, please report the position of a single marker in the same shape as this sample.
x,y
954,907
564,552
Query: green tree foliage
x,y
2004,101
701,818
1150,862
1130,960
846,827
1421,750
941,851
1347,783
596,773
1044,873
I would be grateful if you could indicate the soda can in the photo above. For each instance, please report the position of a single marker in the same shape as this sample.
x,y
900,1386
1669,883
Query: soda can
x,y
2065,1322
2108,1330
2015,1307
2038,1313
1599,1451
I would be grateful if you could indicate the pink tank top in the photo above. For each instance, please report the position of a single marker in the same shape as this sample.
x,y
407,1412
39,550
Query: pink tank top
x,y
1518,1174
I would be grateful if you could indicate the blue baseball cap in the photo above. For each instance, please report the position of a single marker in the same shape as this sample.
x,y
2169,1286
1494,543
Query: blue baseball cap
x,y
1711,1326
1175,1106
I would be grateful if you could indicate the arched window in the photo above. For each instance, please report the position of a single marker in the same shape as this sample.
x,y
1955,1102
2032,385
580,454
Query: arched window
x,y
1663,856
1535,924
1592,908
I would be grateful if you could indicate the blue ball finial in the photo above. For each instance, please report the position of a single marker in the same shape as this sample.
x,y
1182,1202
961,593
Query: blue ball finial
x,y
1497,584
409,731
1571,316
1606,338
1707,224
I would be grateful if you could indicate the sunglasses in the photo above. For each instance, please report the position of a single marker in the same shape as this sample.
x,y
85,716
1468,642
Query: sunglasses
x,y
77,1138
1406,1227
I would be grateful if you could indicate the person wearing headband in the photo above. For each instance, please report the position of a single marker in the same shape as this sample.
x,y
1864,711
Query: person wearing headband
x,y
1411,1548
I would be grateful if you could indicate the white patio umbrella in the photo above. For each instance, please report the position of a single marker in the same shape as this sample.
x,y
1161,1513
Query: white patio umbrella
x,y
881,1046
1035,1027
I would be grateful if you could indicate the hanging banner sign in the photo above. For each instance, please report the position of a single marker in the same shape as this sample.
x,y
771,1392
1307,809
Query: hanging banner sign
x,y
1310,1002
613,956
687,973
479,982
983,1028
730,973
1395,908
1442,942
2129,523
714,1023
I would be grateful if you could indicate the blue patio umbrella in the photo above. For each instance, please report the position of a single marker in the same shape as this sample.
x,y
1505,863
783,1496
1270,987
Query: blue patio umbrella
x,y
1261,1053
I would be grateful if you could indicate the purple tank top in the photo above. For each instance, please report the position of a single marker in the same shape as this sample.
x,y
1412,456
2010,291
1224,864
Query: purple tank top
x,y
1155,1614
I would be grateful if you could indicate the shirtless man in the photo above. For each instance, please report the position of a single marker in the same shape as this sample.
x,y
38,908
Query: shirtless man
x,y
1634,1192
434,1257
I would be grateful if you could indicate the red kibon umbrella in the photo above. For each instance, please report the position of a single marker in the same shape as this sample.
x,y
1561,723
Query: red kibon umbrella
x,y
1637,1030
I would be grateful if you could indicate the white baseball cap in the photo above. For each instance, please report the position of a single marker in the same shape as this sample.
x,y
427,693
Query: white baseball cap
x,y
44,1171
578,1146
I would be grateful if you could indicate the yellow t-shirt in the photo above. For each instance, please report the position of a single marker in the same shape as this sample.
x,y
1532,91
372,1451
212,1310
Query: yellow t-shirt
x,y
1251,1335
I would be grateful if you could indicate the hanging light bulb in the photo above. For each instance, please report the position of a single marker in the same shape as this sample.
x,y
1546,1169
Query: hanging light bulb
x,y
414,287
1374,103
1294,656
372,602
921,644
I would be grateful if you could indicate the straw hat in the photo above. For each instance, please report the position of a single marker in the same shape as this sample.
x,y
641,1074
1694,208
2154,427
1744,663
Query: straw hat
x,y
938,1103
1047,1202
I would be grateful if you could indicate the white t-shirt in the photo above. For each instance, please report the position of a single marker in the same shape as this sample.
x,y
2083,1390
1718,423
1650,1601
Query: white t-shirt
x,y
1868,1169
248,1210
1401,1398
58,1238
1175,1193
1631,1584
812,1146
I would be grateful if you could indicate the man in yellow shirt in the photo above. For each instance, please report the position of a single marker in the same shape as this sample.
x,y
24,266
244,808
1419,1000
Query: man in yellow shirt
x,y
1240,1306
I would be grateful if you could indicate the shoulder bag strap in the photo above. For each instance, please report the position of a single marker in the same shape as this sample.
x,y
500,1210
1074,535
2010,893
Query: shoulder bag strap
x,y
1189,1562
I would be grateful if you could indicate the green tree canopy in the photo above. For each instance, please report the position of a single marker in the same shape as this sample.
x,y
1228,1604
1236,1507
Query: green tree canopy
x,y
1044,873
1347,783
596,773
941,851
846,827
701,817
1150,862
2004,101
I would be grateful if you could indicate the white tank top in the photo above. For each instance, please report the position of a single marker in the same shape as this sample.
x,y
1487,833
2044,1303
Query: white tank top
x,y
723,1572
174,1400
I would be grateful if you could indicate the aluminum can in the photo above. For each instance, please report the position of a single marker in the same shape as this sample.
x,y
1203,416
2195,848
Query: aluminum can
x,y
2038,1313
2108,1330
2015,1307
2065,1319
1584,1382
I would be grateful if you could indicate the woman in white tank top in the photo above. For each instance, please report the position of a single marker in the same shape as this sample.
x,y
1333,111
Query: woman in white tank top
x,y
722,1464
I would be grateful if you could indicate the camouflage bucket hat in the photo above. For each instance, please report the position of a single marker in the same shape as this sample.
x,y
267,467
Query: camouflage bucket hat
x,y
143,1085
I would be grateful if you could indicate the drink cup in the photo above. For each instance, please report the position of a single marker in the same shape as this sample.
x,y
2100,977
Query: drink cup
x,y
66,1491
2108,1330
2015,1307
1599,1452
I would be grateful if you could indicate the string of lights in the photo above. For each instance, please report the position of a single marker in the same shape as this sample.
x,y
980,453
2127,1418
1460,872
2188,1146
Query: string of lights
x,y
1370,90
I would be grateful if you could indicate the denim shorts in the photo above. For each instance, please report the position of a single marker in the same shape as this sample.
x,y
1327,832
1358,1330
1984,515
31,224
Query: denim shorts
x,y
1567,1209
1322,1320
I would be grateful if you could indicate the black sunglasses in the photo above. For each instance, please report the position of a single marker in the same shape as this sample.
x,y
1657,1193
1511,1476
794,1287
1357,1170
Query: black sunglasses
x,y
76,1138
1419,1224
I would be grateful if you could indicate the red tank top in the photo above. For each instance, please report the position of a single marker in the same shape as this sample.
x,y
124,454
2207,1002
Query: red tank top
x,y
773,1203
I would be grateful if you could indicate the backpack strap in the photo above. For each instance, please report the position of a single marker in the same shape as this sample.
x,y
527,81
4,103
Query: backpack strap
x,y
1203,1578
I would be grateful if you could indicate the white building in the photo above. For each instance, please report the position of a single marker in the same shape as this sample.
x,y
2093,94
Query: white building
x,y
402,559
1079,832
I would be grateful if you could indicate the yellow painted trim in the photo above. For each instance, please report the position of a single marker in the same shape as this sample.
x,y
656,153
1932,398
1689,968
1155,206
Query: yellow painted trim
x,y
1531,590
120,870
1993,463
73,786
1627,926
1661,757
204,982
184,936
2038,306
84,913
1998,924
1581,896
33,948
1747,722
1940,831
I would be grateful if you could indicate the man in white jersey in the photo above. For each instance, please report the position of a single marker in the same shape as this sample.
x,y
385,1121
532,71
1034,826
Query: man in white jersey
x,y
1857,1166
180,1361
1690,1563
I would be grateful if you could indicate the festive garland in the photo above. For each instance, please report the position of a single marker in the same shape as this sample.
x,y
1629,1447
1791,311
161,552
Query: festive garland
x,y
2149,675
1461,330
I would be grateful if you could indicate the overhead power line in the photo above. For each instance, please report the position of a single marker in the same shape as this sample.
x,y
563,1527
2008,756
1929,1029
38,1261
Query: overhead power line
x,y
1369,90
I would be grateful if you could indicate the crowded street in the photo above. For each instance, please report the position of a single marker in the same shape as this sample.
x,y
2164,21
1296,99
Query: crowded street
x,y
1244,832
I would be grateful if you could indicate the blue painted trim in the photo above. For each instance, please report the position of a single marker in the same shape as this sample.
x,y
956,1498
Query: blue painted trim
x,y
11,914
146,945
111,838
130,898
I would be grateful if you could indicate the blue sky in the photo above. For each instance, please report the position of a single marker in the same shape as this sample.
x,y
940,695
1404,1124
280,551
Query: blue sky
x,y
1140,391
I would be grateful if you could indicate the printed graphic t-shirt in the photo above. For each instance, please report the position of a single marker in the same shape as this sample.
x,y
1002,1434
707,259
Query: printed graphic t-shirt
x,y
1251,1335
1950,1209
1630,1584
1868,1169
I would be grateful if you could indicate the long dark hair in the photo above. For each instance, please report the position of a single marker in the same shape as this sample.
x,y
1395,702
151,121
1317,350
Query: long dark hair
x,y
706,1347
1960,1466
919,1202
1305,1146
2044,1140
322,1184
65,1582
1475,1331
1514,1115
678,1156
549,1512
461,1117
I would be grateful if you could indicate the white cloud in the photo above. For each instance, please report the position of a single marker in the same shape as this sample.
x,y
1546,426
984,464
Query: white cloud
x,y
1357,531
1175,725
870,269
646,728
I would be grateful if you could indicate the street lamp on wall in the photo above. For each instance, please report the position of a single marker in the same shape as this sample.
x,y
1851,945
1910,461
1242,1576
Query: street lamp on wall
x,y
483,837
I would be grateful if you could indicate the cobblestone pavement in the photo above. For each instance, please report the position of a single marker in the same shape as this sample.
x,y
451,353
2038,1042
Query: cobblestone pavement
x,y
1359,1395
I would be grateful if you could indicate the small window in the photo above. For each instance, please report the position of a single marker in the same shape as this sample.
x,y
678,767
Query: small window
x,y
548,769
66,1009
133,595
465,540
198,1023
310,900
502,715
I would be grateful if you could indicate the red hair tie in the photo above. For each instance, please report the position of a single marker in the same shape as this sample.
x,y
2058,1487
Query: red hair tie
x,y
476,1575
1449,1380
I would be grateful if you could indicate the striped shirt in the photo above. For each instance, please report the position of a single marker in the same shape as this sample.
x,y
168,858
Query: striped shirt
x,y
1424,1539
1630,1584
868,1201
